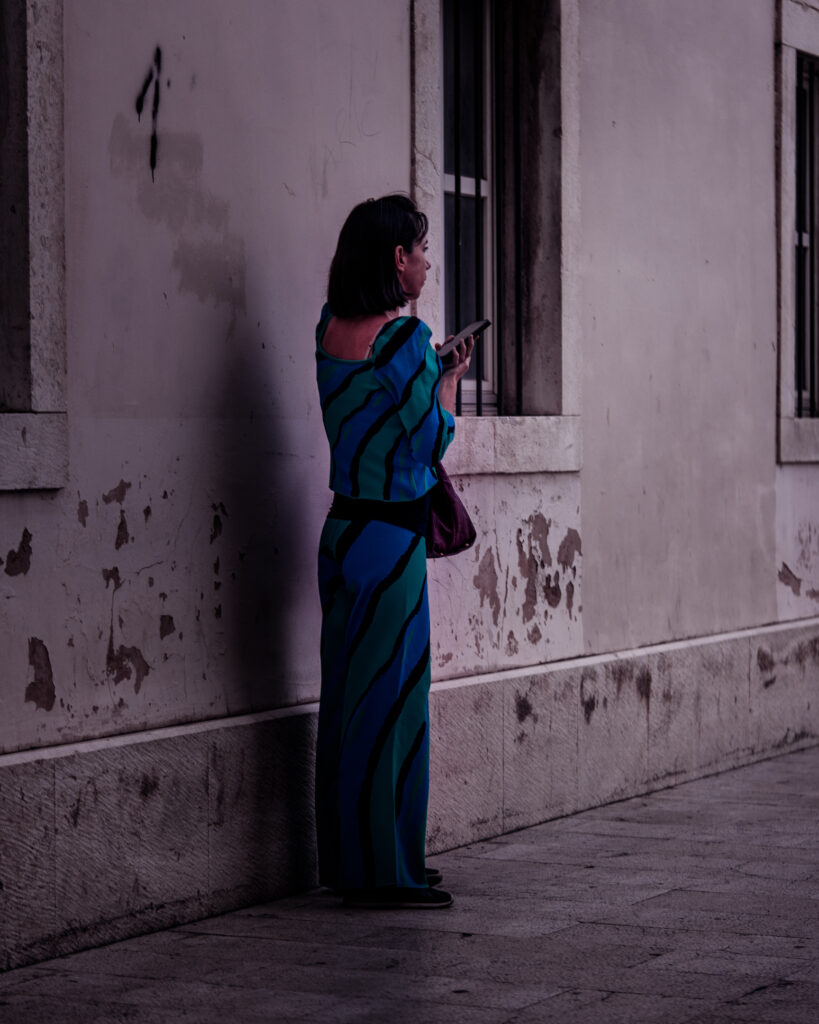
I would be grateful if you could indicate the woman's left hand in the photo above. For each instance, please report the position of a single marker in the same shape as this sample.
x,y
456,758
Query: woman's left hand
x,y
460,360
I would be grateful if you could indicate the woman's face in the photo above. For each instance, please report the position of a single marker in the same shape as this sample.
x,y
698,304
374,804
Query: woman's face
x,y
412,267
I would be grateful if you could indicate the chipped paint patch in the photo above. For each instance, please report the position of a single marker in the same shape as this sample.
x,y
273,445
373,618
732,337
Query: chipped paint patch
x,y
569,547
117,493
18,562
82,512
40,691
122,531
789,579
121,663
166,626
486,582
112,576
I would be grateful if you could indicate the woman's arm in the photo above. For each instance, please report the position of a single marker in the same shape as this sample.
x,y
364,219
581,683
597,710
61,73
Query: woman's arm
x,y
448,387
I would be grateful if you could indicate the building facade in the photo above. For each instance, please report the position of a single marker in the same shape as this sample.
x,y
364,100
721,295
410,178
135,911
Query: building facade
x,y
627,192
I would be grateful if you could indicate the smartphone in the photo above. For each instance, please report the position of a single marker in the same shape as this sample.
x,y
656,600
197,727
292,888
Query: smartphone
x,y
477,328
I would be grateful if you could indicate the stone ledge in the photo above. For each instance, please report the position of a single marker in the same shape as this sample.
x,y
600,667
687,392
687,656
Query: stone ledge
x,y
33,451
114,837
515,444
799,439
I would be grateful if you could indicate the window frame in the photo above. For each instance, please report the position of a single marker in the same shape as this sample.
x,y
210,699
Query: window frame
x,y
798,32
533,441
34,433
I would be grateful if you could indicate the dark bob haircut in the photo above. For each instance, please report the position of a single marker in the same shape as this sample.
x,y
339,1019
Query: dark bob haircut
x,y
363,278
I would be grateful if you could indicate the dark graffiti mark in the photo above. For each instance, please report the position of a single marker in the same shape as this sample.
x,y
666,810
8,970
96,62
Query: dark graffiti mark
x,y
569,547
41,690
789,578
82,512
18,562
153,76
122,531
166,626
124,662
112,576
117,493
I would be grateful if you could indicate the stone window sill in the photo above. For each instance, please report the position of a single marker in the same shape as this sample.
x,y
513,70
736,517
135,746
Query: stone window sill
x,y
798,440
515,445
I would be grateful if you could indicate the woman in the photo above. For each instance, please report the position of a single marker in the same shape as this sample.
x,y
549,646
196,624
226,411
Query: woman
x,y
388,415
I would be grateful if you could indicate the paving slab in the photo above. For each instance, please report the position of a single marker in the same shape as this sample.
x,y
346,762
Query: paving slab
x,y
695,905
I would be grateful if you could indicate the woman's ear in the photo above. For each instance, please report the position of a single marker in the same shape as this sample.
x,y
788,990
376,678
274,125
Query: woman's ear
x,y
400,258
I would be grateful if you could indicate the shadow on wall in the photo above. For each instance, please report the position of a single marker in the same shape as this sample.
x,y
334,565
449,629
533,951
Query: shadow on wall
x,y
261,774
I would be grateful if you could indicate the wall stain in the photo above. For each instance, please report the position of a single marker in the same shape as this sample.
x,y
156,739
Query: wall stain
x,y
569,547
813,594
622,673
124,662
112,576
767,683
148,785
511,644
18,562
166,626
117,493
523,708
527,564
764,660
569,597
534,636
787,577
82,512
644,685
216,529
41,690
540,536
486,582
122,531
551,591
147,513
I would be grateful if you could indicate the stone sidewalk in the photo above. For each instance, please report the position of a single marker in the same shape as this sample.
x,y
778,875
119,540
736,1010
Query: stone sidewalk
x,y
696,904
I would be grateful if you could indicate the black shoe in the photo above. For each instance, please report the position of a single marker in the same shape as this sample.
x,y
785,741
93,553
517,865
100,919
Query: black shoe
x,y
434,877
395,897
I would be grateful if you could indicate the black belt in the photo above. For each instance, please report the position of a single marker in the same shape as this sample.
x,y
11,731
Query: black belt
x,y
410,515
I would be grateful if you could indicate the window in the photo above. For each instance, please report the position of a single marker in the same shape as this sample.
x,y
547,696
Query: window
x,y
518,236
468,191
503,193
806,371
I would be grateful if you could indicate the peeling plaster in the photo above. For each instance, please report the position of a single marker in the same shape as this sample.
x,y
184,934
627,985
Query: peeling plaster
x,y
122,531
569,547
117,493
486,582
18,562
166,626
787,577
120,663
112,576
82,512
41,690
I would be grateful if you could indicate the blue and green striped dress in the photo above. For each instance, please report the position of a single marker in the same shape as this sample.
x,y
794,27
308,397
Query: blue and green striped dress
x,y
386,431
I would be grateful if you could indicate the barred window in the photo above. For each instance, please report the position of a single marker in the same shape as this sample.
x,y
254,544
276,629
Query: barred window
x,y
807,135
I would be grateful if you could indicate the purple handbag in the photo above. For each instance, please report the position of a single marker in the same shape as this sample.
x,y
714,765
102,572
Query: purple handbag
x,y
449,528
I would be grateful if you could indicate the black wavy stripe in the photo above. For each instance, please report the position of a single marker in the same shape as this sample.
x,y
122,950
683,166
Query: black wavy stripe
x,y
401,336
407,392
423,419
370,433
389,466
379,672
365,797
342,387
406,767
354,412
395,574
348,538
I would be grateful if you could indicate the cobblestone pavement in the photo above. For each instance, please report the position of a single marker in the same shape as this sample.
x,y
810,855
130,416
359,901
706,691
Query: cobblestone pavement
x,y
697,904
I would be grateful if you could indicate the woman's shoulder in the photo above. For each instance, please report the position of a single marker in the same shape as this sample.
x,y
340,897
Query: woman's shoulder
x,y
402,333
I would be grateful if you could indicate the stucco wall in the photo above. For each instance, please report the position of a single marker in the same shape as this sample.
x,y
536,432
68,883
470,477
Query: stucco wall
x,y
679,318
173,578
